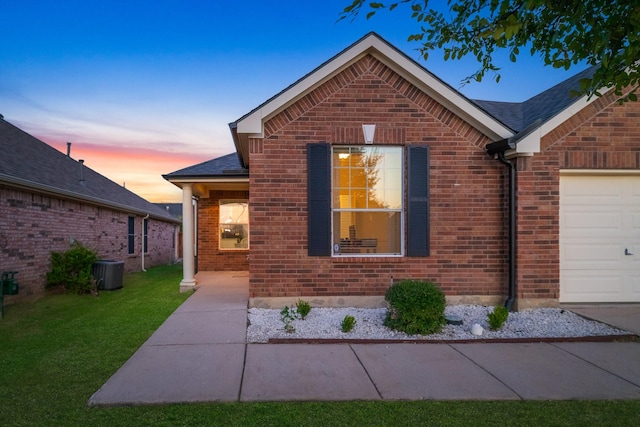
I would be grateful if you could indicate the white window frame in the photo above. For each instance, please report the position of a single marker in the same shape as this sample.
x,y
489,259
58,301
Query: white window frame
x,y
230,201
402,211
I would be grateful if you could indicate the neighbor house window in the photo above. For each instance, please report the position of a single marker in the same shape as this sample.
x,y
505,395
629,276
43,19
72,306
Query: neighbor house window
x,y
367,201
234,224
358,204
131,235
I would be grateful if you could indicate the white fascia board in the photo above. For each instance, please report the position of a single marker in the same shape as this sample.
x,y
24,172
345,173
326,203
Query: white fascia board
x,y
197,180
567,113
529,144
252,124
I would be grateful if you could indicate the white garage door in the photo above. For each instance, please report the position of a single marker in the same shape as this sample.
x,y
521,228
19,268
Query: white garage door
x,y
599,238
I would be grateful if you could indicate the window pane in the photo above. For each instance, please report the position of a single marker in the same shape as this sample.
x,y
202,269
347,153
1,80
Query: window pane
x,y
367,200
366,232
234,225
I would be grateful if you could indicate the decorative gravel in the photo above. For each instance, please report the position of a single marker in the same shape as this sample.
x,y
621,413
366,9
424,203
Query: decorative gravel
x,y
325,323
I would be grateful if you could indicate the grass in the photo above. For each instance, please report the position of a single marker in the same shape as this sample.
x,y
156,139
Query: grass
x,y
55,353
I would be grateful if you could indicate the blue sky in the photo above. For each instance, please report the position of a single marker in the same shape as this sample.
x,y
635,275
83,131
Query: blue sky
x,y
143,88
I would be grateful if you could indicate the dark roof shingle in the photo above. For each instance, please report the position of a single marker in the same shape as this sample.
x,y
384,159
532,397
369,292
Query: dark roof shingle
x,y
222,166
31,163
519,115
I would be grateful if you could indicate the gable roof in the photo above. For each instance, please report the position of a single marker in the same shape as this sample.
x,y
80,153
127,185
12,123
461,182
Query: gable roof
x,y
30,164
251,124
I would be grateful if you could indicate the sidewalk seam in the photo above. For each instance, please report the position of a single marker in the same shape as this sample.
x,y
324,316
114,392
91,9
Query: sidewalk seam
x,y
244,366
375,386
485,370
597,366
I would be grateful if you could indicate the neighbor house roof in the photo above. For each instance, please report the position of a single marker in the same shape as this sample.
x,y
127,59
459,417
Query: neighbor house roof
x,y
174,209
32,165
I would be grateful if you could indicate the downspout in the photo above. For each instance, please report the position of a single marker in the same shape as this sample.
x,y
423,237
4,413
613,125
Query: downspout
x,y
143,220
512,230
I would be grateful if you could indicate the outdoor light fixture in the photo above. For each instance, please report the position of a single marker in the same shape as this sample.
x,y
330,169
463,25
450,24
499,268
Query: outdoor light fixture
x,y
369,131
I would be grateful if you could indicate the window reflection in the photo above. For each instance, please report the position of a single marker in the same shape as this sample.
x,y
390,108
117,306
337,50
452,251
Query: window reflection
x,y
234,224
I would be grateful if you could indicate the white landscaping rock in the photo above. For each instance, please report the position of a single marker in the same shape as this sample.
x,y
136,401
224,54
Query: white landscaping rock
x,y
325,323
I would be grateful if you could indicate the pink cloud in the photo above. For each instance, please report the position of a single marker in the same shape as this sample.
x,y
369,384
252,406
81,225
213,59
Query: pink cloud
x,y
139,169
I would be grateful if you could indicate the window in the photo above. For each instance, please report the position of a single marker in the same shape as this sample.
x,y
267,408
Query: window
x,y
367,207
131,235
356,203
234,224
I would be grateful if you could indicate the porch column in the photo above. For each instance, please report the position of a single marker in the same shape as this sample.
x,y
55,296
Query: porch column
x,y
188,264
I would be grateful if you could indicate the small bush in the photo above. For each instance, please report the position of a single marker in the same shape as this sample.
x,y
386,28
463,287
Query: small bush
x,y
287,316
348,323
415,307
303,308
497,317
72,269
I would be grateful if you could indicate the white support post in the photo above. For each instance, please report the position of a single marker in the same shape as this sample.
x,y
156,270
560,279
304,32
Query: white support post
x,y
188,256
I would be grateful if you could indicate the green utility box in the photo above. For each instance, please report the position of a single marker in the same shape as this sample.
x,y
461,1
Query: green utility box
x,y
9,283
8,286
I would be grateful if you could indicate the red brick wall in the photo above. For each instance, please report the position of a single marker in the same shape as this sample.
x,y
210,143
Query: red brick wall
x,y
210,257
604,135
33,225
468,215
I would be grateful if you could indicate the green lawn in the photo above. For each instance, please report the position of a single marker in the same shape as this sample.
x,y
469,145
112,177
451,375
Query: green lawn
x,y
55,353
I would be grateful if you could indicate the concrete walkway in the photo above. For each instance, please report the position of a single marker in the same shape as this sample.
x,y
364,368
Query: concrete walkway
x,y
200,355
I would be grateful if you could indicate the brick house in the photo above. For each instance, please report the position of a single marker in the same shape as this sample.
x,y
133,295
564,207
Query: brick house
x,y
370,169
49,200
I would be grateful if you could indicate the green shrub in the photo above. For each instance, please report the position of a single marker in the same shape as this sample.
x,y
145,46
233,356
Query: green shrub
x,y
72,269
303,308
497,317
288,315
348,323
415,307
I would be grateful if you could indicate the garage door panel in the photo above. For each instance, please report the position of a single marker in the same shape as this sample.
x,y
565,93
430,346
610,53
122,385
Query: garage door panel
x,y
634,196
635,287
590,288
599,223
589,256
592,188
635,220
599,219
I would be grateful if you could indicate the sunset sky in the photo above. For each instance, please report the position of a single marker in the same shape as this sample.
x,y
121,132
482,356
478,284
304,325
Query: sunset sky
x,y
144,88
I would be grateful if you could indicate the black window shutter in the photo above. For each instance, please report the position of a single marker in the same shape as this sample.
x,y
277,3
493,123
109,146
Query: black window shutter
x,y
418,207
319,199
131,235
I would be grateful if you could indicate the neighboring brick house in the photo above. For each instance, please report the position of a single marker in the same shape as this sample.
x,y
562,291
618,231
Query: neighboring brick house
x,y
49,200
370,169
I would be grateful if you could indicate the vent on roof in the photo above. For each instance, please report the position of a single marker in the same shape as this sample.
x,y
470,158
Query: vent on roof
x,y
82,181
